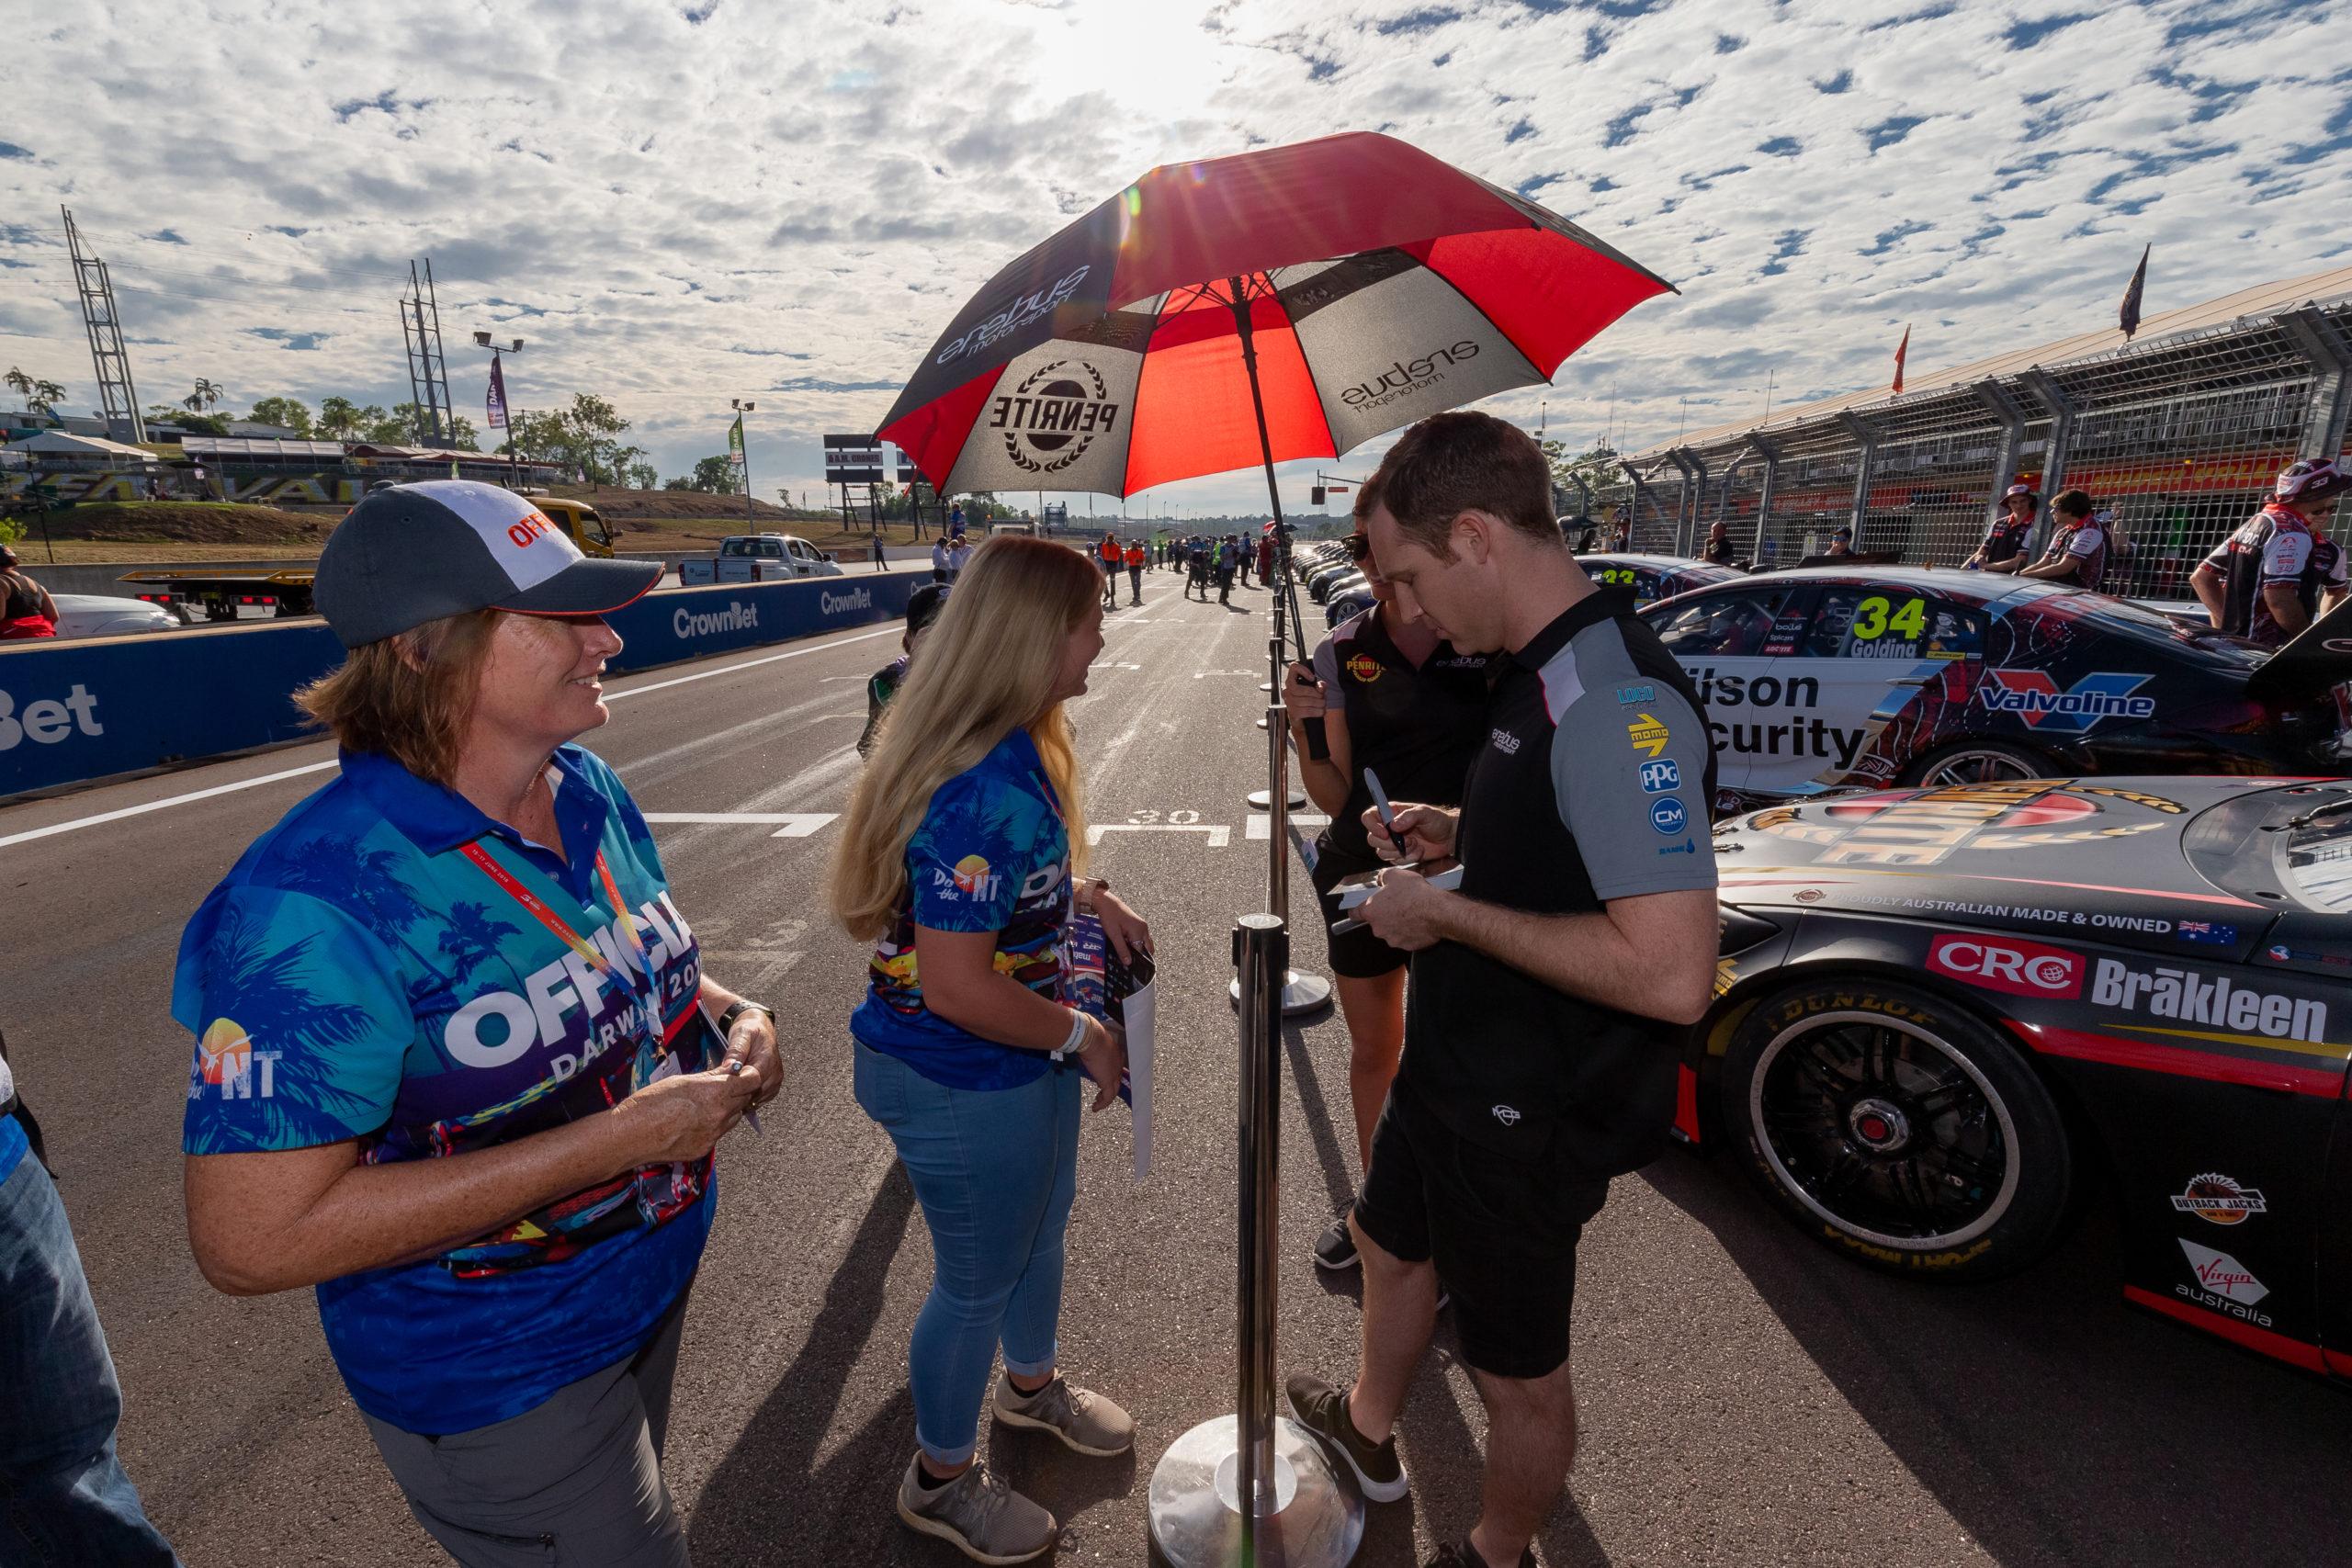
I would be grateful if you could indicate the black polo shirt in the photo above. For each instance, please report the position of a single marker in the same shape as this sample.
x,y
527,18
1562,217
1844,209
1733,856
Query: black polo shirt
x,y
1593,784
1416,725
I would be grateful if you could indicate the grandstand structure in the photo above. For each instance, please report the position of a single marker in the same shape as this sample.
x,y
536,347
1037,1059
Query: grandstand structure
x,y
2176,434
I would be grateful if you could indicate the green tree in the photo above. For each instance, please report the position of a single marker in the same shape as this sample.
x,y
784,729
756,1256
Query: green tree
x,y
716,476
340,419
644,476
200,400
46,396
540,437
1597,466
287,414
678,481
21,384
593,428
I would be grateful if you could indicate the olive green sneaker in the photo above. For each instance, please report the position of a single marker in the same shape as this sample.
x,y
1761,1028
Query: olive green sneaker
x,y
1081,1418
981,1515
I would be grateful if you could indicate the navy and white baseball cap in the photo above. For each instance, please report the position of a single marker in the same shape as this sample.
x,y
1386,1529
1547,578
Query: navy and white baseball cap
x,y
413,553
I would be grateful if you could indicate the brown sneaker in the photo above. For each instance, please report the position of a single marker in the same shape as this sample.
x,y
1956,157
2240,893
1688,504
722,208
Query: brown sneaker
x,y
1081,1418
985,1519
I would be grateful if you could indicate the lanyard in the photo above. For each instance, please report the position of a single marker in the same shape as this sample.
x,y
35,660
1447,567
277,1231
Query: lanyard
x,y
646,1001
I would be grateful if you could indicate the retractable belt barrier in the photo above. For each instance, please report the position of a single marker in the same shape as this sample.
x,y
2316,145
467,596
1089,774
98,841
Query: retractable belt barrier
x,y
73,712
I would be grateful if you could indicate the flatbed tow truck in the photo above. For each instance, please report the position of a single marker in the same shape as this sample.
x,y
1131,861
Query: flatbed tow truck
x,y
288,591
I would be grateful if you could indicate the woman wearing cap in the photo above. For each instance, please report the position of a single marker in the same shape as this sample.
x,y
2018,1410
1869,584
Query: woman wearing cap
x,y
456,1066
25,608
955,860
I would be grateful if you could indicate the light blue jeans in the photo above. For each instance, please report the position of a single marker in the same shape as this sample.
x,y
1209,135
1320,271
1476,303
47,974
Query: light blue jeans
x,y
995,1171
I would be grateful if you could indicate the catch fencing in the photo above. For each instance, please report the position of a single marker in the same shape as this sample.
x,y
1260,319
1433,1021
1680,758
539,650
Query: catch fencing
x,y
2177,437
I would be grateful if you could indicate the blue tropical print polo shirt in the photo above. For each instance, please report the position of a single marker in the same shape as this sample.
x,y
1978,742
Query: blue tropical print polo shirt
x,y
991,854
355,976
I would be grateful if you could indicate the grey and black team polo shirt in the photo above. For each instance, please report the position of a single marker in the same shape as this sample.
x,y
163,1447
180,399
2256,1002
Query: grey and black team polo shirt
x,y
1593,785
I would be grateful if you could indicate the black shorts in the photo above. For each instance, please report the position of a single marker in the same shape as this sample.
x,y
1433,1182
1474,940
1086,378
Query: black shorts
x,y
1357,954
1501,1231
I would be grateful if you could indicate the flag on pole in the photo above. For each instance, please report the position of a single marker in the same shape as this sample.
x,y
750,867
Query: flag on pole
x,y
1901,350
2129,318
497,398
735,441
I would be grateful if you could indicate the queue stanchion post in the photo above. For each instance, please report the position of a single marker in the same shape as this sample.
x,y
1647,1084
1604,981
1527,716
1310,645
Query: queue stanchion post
x,y
1301,993
1295,797
1253,1489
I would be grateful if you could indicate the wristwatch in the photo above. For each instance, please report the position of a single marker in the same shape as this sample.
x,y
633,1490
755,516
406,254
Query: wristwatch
x,y
727,1019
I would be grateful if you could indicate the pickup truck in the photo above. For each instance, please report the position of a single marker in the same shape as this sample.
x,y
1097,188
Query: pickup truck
x,y
288,591
758,557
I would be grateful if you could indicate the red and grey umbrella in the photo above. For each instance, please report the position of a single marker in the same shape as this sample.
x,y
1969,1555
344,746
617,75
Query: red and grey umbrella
x,y
1292,302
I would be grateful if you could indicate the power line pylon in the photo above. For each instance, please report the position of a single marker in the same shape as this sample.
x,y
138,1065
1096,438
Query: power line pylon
x,y
428,372
117,396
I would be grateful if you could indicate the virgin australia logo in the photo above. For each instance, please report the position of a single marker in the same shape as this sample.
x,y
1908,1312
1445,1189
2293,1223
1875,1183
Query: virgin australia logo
x,y
1404,375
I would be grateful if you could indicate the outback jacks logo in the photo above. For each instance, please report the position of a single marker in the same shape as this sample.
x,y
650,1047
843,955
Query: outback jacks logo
x,y
2006,965
2034,697
1024,309
1048,421
2217,1200
2177,992
1405,377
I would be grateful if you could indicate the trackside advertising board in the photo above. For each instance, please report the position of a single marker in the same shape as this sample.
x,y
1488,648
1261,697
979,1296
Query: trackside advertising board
x,y
73,712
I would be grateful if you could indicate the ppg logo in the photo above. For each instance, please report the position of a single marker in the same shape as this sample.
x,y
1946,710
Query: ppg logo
x,y
1667,816
1660,776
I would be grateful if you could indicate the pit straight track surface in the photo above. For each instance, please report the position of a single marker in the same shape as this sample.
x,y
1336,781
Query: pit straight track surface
x,y
1747,1397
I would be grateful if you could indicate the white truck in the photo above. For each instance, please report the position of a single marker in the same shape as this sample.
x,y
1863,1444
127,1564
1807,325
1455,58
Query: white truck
x,y
759,558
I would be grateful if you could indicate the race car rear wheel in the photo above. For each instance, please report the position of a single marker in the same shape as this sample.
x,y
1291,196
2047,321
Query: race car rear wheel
x,y
1898,1128
1975,763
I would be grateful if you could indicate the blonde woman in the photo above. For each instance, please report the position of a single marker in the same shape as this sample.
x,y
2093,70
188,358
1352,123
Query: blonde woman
x,y
958,861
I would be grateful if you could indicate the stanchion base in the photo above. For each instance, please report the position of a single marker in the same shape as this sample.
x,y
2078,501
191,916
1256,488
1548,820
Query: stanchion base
x,y
1301,993
1263,798
1194,1508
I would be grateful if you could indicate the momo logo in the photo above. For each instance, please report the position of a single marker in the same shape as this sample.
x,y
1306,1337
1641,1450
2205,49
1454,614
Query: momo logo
x,y
2034,697
1647,736
1364,668
1023,311
1660,776
1051,419
45,721
2004,965
736,618
1406,376
2219,1201
830,603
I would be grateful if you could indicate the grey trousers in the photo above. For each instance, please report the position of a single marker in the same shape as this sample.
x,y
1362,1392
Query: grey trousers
x,y
576,1482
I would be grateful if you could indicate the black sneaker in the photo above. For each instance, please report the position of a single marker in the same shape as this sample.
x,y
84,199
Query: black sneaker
x,y
1461,1554
1335,1249
1323,1410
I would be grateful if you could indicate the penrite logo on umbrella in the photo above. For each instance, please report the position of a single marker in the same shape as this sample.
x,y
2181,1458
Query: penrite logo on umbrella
x,y
1053,416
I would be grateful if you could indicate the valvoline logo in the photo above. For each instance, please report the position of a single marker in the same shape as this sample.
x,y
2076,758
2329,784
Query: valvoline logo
x,y
2008,965
2034,697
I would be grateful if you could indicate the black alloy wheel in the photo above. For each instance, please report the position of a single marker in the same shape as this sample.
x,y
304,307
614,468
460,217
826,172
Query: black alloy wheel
x,y
1898,1128
1977,762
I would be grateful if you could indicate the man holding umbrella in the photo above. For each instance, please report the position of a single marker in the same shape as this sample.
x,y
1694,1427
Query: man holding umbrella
x,y
1586,914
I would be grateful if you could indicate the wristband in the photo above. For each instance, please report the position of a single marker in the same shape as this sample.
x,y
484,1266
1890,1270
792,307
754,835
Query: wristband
x,y
727,1019
1077,1036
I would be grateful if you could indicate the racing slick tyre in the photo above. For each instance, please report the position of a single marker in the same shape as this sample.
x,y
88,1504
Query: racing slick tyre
x,y
1978,761
1898,1128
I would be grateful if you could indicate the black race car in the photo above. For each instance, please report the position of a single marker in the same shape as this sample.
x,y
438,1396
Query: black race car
x,y
1941,1012
1841,676
1653,577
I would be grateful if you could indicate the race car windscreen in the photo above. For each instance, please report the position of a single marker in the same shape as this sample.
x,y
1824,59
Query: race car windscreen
x,y
2285,847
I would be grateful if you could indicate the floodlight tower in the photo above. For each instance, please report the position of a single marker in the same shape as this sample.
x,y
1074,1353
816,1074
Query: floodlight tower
x,y
428,371
117,396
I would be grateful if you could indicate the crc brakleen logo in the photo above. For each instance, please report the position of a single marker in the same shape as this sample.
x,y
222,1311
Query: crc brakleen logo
x,y
1054,415
2008,964
2217,1199
2034,697
2188,997
1404,376
45,721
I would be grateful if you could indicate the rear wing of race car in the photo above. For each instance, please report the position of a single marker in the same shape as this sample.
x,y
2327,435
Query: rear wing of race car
x,y
2314,663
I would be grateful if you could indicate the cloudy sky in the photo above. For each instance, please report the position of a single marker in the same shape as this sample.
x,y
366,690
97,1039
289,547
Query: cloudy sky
x,y
677,202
